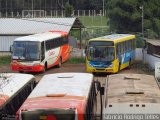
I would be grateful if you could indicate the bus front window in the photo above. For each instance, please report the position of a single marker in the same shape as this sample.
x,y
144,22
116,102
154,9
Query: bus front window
x,y
25,50
101,53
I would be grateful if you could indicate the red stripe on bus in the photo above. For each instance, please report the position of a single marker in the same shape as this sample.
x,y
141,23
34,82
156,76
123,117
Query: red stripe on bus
x,y
3,99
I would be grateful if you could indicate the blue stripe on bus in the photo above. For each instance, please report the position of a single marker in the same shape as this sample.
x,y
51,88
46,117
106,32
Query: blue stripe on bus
x,y
100,64
126,57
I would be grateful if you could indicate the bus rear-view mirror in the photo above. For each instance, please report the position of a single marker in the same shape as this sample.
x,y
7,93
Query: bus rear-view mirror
x,y
11,48
99,87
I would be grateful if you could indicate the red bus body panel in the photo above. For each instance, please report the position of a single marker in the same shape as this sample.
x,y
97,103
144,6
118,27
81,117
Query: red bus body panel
x,y
51,103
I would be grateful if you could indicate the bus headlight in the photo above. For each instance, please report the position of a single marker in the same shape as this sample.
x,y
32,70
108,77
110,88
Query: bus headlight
x,y
36,64
111,65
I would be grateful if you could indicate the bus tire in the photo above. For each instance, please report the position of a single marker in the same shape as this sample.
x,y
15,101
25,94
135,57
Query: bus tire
x,y
129,65
94,73
119,67
59,62
45,67
21,71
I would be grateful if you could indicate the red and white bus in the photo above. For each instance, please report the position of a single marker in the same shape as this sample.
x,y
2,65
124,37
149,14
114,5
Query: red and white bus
x,y
61,96
39,52
14,89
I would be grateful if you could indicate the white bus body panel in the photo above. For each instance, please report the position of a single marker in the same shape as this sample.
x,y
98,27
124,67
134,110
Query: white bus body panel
x,y
51,56
74,84
131,94
13,82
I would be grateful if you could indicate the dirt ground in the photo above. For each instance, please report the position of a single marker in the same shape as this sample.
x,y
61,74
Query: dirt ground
x,y
138,68
66,67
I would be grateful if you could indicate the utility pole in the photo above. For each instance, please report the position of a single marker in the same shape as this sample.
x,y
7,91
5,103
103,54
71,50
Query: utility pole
x,y
142,15
0,8
103,7
32,8
6,9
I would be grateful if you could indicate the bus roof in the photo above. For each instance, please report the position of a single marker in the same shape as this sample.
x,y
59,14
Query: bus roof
x,y
69,84
10,84
42,36
131,94
132,88
60,90
114,37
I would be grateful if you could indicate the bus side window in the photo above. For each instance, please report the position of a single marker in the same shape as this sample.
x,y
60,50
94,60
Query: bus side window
x,y
130,45
91,103
126,45
121,47
133,45
117,49
65,40
42,51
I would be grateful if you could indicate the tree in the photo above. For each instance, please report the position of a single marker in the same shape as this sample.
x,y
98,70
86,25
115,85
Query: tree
x,y
68,10
126,16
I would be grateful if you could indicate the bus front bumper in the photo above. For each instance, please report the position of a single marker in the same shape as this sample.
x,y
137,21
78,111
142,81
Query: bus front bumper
x,y
104,70
36,68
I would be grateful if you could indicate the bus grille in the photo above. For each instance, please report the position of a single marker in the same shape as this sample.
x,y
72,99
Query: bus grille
x,y
100,69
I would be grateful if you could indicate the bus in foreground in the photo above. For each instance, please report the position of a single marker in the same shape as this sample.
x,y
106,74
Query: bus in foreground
x,y
14,89
131,97
38,52
110,53
61,96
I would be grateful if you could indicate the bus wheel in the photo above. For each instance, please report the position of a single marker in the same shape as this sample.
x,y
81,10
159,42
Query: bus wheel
x,y
59,62
119,67
45,67
129,65
95,73
21,71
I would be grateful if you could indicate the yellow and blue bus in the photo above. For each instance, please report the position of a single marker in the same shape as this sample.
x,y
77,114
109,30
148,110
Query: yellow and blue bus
x,y
110,53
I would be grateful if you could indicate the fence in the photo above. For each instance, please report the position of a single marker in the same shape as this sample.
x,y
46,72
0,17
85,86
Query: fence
x,y
50,13
5,53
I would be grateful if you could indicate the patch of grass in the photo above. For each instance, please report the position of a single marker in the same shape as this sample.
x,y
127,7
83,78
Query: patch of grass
x,y
95,26
94,20
76,60
4,60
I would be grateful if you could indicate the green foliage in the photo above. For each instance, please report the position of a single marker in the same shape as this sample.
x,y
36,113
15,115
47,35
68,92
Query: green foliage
x,y
5,60
50,4
126,16
68,9
151,34
139,41
76,60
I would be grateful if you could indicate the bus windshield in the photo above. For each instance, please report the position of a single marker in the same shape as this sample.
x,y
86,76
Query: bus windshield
x,y
25,50
101,53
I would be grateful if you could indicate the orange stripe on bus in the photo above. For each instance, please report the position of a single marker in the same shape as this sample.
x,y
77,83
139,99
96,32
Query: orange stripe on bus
x,y
58,97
